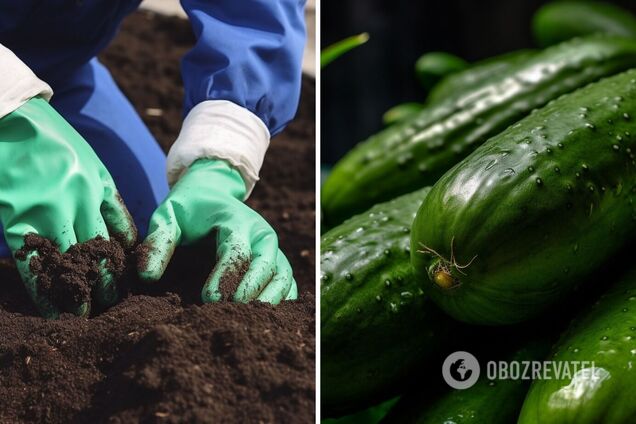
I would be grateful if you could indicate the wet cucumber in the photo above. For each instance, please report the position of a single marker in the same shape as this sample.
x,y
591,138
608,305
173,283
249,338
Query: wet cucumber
x,y
525,218
606,336
459,82
376,325
562,20
488,402
415,153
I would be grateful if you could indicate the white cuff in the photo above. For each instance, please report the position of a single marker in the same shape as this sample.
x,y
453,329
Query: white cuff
x,y
18,83
219,129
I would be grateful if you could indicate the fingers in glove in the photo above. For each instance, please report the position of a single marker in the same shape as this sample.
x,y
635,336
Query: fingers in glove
x,y
89,224
280,286
118,220
293,291
53,224
261,271
106,290
44,306
157,249
233,261
64,237
82,310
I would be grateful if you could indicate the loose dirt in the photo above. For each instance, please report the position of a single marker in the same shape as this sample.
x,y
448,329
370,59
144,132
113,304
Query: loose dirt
x,y
160,355
68,279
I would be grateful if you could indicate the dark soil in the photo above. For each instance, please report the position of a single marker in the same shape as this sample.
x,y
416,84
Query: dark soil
x,y
68,279
160,355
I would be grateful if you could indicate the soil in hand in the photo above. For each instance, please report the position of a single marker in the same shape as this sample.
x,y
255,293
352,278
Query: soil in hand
x,y
67,279
160,355
230,281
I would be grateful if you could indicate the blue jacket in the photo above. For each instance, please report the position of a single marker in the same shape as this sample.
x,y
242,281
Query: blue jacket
x,y
247,51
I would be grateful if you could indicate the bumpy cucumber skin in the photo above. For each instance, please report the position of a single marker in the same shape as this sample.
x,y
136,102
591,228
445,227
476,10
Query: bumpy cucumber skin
x,y
416,153
488,402
524,219
562,20
606,335
431,67
458,83
376,324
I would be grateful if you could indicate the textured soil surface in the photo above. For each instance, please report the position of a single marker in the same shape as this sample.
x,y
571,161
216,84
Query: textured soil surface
x,y
67,279
160,355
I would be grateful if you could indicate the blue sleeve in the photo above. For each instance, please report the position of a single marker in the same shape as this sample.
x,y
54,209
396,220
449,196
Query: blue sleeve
x,y
248,52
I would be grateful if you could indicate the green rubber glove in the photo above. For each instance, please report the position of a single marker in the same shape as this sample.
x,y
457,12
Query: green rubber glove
x,y
207,200
53,184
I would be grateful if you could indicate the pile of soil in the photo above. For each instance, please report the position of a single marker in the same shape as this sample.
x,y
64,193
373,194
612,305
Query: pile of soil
x,y
160,355
68,279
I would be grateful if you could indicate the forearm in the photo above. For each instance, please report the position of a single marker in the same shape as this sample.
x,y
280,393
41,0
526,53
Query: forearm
x,y
242,81
248,52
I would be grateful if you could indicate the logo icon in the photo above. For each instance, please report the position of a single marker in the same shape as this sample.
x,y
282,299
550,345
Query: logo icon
x,y
460,370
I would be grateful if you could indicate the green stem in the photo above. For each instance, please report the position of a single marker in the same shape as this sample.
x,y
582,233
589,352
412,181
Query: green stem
x,y
334,51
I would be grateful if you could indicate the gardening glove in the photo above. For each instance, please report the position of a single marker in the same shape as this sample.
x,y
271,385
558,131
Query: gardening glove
x,y
53,184
207,199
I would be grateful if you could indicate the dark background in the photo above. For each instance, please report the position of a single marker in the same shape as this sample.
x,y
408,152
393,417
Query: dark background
x,y
360,86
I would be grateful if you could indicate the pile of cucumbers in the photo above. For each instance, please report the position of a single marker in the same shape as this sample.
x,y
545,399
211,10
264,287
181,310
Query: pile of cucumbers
x,y
498,218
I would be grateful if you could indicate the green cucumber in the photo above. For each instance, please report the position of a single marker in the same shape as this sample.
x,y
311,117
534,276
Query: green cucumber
x,y
605,335
454,81
520,223
488,402
433,66
371,308
415,153
562,20
400,112
478,72
457,82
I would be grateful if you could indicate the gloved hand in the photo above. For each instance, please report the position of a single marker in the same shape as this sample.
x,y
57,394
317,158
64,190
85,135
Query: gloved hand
x,y
53,184
209,197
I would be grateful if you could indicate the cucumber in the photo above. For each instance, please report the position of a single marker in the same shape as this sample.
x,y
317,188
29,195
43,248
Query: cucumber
x,y
433,66
605,335
488,402
400,112
459,82
519,223
414,154
456,81
376,324
562,20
